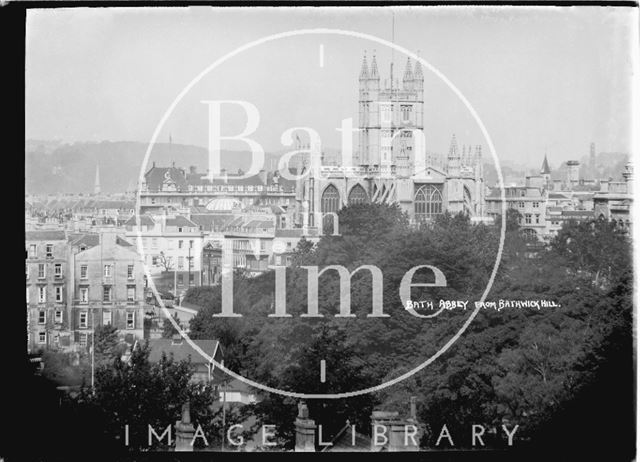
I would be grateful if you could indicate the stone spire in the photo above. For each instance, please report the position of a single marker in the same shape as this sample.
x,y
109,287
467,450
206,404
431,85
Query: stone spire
x,y
96,187
545,170
364,69
373,74
453,159
407,79
418,77
453,148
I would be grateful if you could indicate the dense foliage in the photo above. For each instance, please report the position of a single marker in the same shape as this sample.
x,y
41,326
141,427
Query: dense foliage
x,y
562,373
522,366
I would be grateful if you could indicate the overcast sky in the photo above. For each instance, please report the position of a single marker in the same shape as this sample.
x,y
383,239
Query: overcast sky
x,y
540,78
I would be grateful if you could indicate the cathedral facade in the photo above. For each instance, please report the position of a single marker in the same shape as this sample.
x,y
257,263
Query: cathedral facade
x,y
391,164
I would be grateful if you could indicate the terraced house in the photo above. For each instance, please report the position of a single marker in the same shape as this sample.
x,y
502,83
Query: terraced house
x,y
48,289
108,288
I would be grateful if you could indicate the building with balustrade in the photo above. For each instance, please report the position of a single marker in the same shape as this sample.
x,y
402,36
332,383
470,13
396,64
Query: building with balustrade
x,y
172,188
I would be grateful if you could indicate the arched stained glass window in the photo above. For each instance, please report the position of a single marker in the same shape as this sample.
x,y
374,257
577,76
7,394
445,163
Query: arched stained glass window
x,y
330,199
358,195
428,202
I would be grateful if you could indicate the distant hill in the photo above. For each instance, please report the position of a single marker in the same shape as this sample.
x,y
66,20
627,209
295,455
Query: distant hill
x,y
510,174
53,168
43,146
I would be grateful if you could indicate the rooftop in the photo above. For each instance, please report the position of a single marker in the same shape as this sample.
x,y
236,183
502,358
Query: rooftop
x,y
45,235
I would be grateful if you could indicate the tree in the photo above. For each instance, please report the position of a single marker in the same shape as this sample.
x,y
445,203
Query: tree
x,y
346,373
165,261
107,344
139,393
597,247
168,330
59,368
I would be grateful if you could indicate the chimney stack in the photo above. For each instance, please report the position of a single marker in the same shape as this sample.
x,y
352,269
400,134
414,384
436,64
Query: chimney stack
x,y
389,431
184,431
263,177
413,410
305,430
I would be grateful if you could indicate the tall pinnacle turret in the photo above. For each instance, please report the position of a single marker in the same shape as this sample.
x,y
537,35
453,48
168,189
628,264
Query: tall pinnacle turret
x,y
417,73
373,74
453,159
408,73
407,79
364,69
418,77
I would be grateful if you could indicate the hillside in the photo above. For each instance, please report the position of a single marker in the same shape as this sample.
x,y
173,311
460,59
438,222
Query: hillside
x,y
71,168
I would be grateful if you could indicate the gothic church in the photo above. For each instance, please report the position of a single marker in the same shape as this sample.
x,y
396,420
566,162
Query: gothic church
x,y
385,168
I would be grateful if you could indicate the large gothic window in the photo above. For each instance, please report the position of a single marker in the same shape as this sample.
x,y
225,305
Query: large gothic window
x,y
428,202
357,195
330,199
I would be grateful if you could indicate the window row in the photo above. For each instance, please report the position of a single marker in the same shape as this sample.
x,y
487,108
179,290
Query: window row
x,y
107,271
42,270
528,218
42,294
33,250
107,294
107,319
84,271
42,317
521,204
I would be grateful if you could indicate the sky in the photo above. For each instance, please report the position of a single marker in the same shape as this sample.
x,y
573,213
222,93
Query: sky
x,y
541,79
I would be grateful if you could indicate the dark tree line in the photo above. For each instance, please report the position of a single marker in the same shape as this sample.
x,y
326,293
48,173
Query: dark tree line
x,y
563,374
515,366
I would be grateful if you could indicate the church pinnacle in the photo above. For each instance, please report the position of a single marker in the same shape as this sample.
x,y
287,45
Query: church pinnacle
x,y
453,148
417,73
408,73
374,68
364,70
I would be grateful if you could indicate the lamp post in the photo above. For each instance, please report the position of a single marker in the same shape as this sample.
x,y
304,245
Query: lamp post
x,y
224,410
189,265
93,344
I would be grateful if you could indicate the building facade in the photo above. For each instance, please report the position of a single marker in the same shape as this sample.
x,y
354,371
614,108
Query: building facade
x,y
108,283
47,254
174,188
529,200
